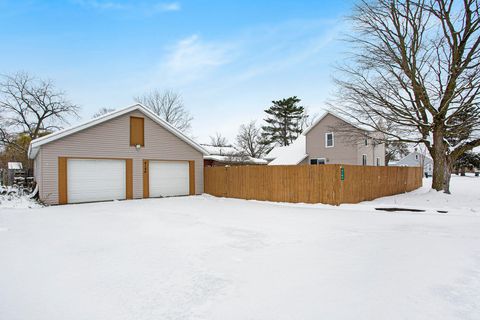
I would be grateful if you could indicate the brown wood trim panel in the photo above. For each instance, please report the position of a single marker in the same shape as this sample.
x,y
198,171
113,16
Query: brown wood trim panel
x,y
191,165
146,179
137,131
62,180
129,178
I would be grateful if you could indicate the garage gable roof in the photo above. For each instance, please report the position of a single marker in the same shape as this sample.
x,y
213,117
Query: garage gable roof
x,y
37,143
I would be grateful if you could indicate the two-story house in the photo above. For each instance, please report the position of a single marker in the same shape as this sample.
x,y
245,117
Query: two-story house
x,y
332,140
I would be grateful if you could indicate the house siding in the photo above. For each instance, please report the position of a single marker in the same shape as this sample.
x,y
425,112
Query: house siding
x,y
37,169
410,161
347,149
344,151
111,139
372,151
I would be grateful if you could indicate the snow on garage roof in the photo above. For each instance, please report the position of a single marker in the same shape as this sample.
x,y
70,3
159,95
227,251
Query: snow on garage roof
x,y
37,143
292,154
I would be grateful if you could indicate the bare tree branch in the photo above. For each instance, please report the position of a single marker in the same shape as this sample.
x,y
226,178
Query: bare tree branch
x,y
169,106
416,65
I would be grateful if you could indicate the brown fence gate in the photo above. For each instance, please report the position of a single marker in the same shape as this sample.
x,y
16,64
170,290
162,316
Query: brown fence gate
x,y
329,184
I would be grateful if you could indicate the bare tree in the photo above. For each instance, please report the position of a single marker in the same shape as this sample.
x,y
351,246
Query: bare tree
x,y
250,141
102,111
307,119
218,140
395,150
169,106
30,108
416,64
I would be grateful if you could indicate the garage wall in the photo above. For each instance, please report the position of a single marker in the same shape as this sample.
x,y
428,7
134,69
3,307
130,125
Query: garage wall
x,y
111,139
37,168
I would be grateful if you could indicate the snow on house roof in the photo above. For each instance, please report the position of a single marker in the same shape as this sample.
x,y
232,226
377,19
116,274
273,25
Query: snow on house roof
x,y
239,159
37,143
290,155
407,160
15,166
220,150
229,154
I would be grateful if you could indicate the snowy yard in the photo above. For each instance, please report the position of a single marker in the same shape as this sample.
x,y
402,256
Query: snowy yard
x,y
211,258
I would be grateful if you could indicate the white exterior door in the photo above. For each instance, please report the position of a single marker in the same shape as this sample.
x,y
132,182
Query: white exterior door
x,y
95,180
168,178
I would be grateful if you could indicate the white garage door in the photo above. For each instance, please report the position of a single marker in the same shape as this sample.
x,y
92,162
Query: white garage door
x,y
95,180
168,178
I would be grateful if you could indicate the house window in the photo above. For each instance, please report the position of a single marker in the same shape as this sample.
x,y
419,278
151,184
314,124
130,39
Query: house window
x,y
137,136
329,142
364,159
416,157
378,161
366,141
317,161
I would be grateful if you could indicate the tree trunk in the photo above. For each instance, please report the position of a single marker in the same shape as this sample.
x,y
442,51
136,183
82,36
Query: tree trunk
x,y
447,174
439,160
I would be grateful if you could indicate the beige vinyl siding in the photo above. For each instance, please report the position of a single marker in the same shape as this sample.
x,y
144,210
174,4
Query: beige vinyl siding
x,y
347,149
372,152
111,139
37,168
343,151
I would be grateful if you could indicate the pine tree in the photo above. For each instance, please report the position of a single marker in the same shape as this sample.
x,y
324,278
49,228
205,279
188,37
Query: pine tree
x,y
283,121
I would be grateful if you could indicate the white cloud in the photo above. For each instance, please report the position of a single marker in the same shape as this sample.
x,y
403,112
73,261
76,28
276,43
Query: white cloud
x,y
133,6
235,78
192,58
102,5
168,6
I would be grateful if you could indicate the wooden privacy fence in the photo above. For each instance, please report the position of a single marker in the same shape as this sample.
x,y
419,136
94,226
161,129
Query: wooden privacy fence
x,y
329,184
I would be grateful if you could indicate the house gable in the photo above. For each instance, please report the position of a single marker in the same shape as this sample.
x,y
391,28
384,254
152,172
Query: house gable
x,y
343,150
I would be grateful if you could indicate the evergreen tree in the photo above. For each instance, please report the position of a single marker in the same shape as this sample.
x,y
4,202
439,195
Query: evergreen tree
x,y
283,121
467,161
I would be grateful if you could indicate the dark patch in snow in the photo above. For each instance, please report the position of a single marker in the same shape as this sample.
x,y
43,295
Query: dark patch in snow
x,y
400,209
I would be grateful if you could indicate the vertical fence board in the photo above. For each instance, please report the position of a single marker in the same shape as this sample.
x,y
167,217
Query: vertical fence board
x,y
310,184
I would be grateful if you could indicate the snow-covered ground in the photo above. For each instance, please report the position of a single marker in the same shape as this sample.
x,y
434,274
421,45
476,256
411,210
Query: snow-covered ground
x,y
9,198
212,258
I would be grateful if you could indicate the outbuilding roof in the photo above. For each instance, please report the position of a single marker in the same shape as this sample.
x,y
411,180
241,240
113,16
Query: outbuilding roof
x,y
37,143
292,154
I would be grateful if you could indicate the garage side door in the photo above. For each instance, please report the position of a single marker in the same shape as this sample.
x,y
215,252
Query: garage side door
x,y
168,178
95,180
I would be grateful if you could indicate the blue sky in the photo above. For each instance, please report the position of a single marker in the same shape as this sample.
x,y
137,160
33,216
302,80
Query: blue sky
x,y
228,59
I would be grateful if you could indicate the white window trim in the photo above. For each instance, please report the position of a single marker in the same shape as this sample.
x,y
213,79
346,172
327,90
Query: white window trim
x,y
326,140
366,159
324,160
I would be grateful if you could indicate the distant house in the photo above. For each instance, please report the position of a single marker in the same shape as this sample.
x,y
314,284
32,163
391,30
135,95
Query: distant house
x,y
228,156
331,140
416,159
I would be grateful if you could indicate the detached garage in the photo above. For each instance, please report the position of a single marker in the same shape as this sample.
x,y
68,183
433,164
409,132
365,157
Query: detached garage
x,y
127,154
